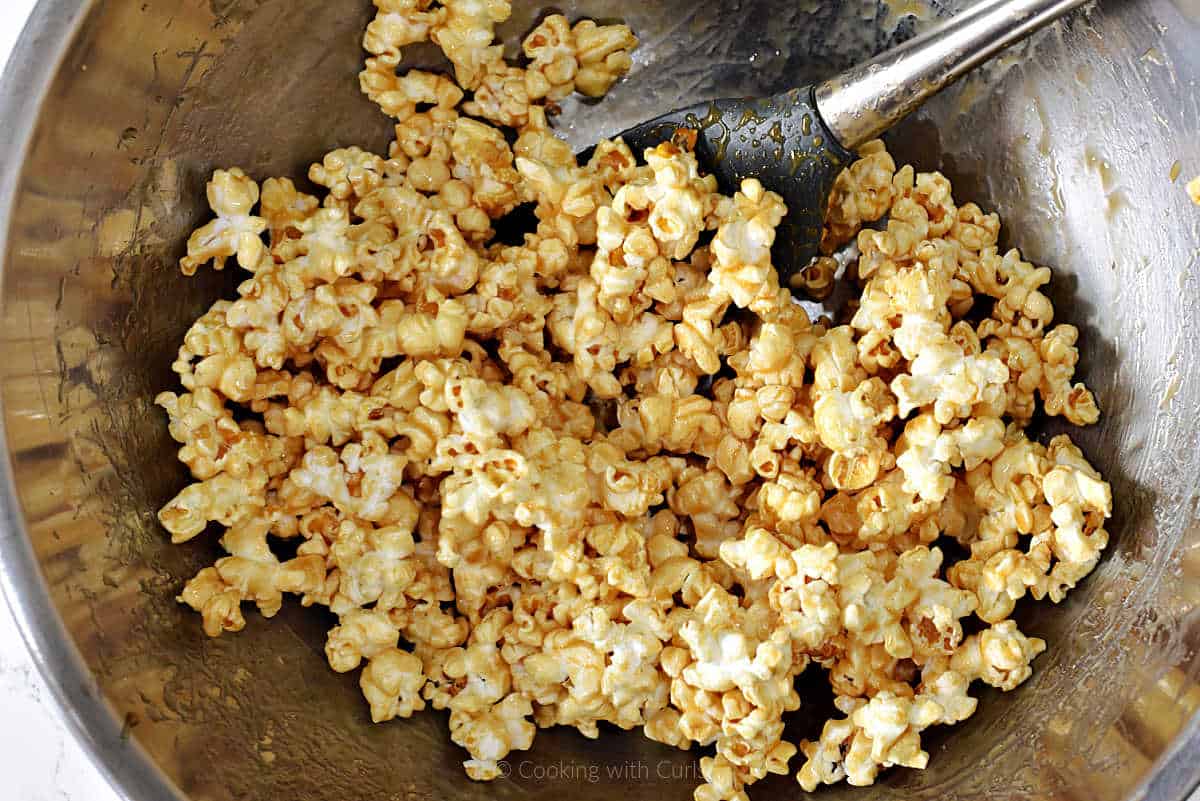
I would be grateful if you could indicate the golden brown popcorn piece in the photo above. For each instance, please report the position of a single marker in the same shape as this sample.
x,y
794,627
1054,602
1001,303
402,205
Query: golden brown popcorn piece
x,y
348,173
502,97
881,733
861,193
251,573
704,498
742,247
204,426
399,96
848,411
392,682
218,603
604,55
698,336
258,575
1000,655
484,161
1023,359
1021,309
1080,501
1059,357
816,280
236,231
360,481
361,633
222,499
283,207
467,34
400,23
553,66
792,496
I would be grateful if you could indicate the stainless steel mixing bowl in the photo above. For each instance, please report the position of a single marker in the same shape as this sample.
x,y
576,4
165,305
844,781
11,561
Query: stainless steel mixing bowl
x,y
115,111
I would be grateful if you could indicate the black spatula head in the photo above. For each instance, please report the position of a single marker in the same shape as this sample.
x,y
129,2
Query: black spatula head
x,y
779,140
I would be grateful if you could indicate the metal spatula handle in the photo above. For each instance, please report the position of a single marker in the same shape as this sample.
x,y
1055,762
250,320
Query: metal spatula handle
x,y
866,100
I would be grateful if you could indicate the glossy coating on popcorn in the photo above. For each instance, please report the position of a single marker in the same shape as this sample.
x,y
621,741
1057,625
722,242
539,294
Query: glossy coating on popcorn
x,y
615,473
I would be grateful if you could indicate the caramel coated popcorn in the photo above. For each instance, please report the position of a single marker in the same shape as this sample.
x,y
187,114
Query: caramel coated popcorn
x,y
615,473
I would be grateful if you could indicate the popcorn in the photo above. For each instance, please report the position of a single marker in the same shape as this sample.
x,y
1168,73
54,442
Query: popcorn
x,y
1063,502
484,162
705,499
998,583
360,481
502,97
348,173
1023,359
953,382
284,208
360,634
218,603
374,564
742,247
1000,655
926,452
490,735
1021,309
399,96
862,193
849,410
880,734
392,682
213,442
777,358
699,336
1079,503
1008,489
553,65
223,499
611,474
1059,357
648,225
816,280
756,553
603,52
467,34
235,232
790,497
257,575
399,24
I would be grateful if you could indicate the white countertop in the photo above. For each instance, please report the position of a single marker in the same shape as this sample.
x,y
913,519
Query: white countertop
x,y
39,759
12,17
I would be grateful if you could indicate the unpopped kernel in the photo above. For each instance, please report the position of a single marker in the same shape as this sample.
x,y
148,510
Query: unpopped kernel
x,y
612,474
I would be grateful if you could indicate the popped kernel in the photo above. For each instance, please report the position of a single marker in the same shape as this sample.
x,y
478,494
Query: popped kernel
x,y
235,232
604,53
392,682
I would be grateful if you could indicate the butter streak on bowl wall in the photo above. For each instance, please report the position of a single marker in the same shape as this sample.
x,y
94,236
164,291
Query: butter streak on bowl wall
x,y
150,96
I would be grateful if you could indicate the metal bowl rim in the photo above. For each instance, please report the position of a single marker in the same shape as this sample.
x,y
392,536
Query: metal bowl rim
x,y
133,776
